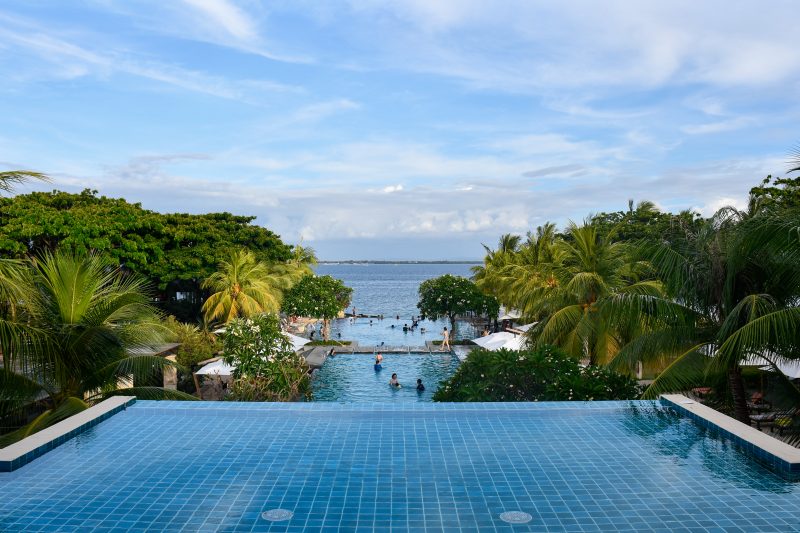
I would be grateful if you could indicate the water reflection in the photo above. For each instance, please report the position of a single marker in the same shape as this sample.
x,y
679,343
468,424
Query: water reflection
x,y
693,447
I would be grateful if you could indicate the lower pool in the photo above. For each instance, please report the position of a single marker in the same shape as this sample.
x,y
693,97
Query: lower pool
x,y
225,466
352,378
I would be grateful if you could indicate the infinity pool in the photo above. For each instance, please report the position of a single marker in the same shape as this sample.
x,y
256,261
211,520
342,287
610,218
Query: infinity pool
x,y
605,466
352,378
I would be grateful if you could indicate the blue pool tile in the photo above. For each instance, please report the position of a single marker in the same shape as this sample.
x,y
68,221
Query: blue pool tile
x,y
607,466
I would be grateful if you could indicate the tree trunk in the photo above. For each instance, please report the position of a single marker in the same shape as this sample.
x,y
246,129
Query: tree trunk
x,y
740,410
326,329
452,326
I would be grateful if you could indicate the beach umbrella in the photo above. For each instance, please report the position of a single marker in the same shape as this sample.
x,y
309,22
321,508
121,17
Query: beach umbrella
x,y
516,344
217,368
297,341
791,369
495,341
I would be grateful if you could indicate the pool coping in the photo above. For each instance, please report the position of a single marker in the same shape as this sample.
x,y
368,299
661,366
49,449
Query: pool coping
x,y
779,456
23,452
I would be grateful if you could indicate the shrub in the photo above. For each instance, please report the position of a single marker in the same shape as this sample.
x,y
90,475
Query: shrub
x,y
330,343
196,345
266,367
542,374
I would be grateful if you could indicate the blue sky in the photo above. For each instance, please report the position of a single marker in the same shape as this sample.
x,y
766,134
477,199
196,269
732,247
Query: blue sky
x,y
401,130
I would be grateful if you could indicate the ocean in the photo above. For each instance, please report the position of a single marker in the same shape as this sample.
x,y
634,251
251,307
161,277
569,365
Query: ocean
x,y
389,290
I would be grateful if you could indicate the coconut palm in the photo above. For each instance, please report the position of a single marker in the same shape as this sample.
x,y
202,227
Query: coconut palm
x,y
591,267
69,336
10,178
795,161
244,286
733,289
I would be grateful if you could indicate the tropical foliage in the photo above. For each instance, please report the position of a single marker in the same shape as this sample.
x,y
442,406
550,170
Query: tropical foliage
x,y
543,374
732,290
72,331
174,252
698,298
451,296
244,286
266,367
322,297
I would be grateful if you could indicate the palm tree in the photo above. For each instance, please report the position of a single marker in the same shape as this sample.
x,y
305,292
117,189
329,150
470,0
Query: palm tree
x,y
69,333
244,286
591,267
14,177
733,289
795,161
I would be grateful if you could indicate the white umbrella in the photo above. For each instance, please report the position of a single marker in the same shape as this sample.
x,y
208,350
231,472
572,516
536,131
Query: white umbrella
x,y
297,342
495,341
509,314
217,368
516,344
791,369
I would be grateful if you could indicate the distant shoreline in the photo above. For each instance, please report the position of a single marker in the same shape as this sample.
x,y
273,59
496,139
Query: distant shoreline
x,y
376,262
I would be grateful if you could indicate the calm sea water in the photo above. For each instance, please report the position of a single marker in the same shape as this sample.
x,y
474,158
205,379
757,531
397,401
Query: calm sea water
x,y
391,291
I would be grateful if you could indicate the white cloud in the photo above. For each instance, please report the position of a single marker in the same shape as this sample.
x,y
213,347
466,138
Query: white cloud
x,y
227,16
718,127
321,110
393,188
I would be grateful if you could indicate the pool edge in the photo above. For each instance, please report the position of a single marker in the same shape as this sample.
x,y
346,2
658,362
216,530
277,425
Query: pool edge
x,y
778,456
23,452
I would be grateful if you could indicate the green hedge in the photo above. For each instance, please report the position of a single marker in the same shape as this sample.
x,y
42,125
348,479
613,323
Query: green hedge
x,y
543,374
330,343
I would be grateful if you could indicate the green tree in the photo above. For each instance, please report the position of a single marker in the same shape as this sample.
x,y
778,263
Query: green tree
x,y
265,366
243,286
175,252
732,292
592,267
451,296
321,297
775,193
74,337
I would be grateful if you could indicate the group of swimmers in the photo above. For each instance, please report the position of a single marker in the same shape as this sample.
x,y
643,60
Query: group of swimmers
x,y
394,383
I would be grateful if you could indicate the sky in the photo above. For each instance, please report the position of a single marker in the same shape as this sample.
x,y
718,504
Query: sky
x,y
412,129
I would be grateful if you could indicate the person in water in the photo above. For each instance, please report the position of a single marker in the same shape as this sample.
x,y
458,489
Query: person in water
x,y
405,328
378,361
393,382
420,386
445,339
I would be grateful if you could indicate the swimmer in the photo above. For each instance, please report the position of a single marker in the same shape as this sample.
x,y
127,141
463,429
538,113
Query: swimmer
x,y
420,386
378,360
394,383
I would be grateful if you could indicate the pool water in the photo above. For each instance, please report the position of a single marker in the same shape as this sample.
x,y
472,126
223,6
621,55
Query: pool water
x,y
373,332
352,378
604,466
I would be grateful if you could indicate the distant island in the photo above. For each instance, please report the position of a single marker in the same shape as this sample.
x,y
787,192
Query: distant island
x,y
376,262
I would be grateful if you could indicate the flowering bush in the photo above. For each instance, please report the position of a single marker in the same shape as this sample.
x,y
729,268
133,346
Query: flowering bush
x,y
449,296
266,367
317,297
543,374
